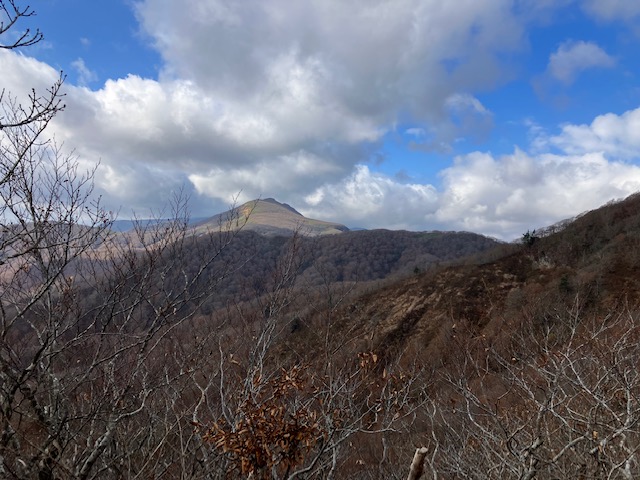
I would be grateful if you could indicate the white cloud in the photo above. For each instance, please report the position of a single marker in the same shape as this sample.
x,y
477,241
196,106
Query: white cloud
x,y
572,58
416,132
505,196
501,196
154,138
289,175
358,61
368,199
85,75
617,136
465,102
246,86
498,196
20,74
290,99
613,9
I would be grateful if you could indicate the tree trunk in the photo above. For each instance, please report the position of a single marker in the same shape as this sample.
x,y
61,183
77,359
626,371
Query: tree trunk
x,y
417,465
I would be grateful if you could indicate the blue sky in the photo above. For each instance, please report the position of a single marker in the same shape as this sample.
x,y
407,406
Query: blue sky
x,y
492,116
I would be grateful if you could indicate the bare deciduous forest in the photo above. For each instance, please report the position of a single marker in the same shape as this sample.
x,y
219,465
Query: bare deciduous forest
x,y
163,354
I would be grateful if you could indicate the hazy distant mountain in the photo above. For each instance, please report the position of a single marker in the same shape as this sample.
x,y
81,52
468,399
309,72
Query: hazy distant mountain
x,y
270,217
127,225
265,216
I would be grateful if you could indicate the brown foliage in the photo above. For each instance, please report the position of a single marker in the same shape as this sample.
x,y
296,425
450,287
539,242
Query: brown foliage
x,y
273,431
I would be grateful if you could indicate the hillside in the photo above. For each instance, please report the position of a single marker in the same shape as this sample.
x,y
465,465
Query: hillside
x,y
527,354
262,232
269,217
333,355
354,258
594,260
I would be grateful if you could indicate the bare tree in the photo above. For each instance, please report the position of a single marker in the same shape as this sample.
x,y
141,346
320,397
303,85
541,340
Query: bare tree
x,y
93,378
561,402
11,14
274,410
39,108
91,385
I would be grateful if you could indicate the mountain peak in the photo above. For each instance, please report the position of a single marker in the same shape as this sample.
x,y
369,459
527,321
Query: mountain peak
x,y
275,202
270,217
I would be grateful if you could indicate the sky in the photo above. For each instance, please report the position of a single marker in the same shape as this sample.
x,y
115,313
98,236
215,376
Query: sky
x,y
491,116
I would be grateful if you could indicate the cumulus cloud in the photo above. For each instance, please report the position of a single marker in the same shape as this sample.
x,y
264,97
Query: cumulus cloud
x,y
20,74
617,136
155,138
572,58
355,62
288,174
370,199
499,196
579,169
274,98
507,195
321,80
350,40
